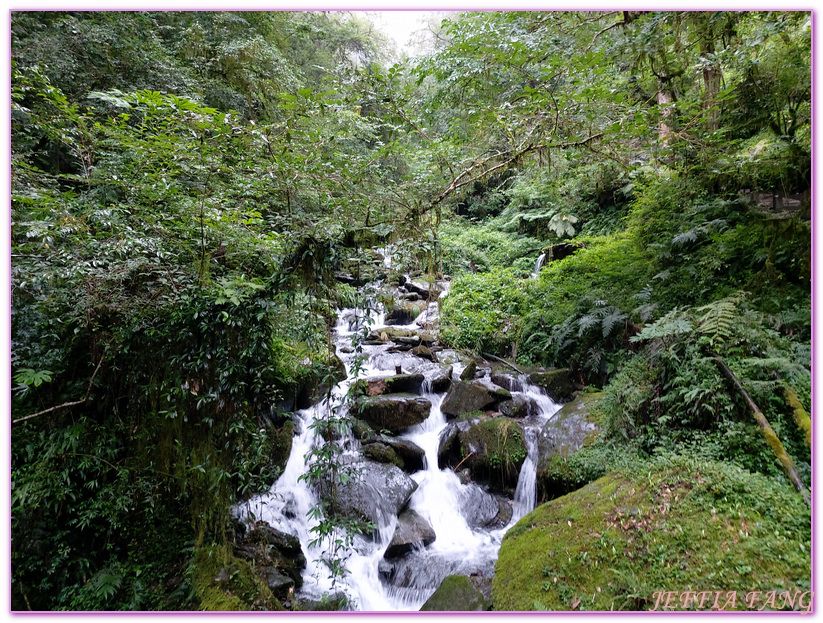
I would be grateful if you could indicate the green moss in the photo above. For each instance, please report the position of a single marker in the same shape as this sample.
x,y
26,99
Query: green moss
x,y
223,582
494,450
677,524
471,415
456,593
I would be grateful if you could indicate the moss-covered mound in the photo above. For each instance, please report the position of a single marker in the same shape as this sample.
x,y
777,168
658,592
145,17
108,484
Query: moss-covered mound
x,y
222,582
674,525
494,451
456,593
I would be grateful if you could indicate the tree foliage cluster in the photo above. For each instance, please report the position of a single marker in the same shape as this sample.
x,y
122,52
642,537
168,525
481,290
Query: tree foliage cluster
x,y
656,164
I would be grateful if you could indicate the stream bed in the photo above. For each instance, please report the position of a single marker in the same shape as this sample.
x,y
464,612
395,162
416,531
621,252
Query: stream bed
x,y
446,503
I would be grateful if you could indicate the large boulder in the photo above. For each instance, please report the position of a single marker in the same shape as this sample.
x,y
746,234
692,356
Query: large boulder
x,y
441,382
376,492
465,397
412,530
558,384
519,406
269,547
393,412
482,509
380,452
563,435
493,450
399,383
407,455
409,452
456,593
672,524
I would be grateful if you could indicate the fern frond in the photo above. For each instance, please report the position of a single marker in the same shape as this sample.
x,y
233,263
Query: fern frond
x,y
610,321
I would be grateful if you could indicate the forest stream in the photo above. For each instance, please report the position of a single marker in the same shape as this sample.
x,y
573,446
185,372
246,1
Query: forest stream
x,y
462,521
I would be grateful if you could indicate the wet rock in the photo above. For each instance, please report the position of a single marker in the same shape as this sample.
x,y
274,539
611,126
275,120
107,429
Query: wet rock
x,y
263,533
412,530
456,593
465,397
393,412
377,492
404,312
561,437
424,353
558,384
469,371
411,296
362,431
518,407
410,383
478,507
448,449
419,288
427,338
507,381
411,454
494,451
279,584
382,453
330,603
442,381
269,547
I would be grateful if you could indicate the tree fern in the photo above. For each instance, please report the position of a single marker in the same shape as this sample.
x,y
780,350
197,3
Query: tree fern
x,y
675,323
719,318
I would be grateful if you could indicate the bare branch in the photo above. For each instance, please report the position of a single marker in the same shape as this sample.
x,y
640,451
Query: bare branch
x,y
65,404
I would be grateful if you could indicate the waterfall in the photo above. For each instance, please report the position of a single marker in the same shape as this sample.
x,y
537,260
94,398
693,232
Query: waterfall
x,y
538,265
373,583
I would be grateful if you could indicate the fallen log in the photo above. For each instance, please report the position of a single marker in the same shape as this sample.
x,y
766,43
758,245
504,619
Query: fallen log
x,y
768,432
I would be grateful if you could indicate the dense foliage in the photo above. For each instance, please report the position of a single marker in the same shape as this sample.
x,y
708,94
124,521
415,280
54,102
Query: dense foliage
x,y
185,185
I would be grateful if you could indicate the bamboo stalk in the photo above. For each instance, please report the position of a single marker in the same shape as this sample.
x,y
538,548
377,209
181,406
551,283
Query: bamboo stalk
x,y
768,432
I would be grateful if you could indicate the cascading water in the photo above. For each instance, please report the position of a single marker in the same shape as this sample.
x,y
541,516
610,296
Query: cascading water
x,y
538,265
441,499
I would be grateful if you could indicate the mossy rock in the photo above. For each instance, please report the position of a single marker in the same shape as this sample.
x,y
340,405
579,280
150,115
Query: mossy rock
x,y
557,384
393,412
494,451
469,371
223,582
456,593
561,437
464,397
281,444
674,524
382,453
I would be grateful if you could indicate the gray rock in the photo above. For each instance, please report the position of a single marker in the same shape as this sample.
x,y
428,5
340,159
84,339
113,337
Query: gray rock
x,y
465,397
469,371
518,407
443,381
393,412
377,491
565,432
479,508
410,452
278,583
558,384
411,530
456,593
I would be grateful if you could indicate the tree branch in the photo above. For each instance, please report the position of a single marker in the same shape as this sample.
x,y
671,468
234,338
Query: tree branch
x,y
65,404
767,430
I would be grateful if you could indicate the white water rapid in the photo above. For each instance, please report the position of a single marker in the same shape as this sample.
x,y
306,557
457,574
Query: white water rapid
x,y
374,583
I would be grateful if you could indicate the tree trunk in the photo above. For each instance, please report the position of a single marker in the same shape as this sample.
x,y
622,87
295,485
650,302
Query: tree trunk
x,y
768,432
664,99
